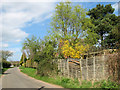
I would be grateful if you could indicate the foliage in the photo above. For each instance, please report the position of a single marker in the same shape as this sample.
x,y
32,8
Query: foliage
x,y
28,63
42,52
23,59
15,65
106,84
104,20
114,66
70,83
5,54
4,69
6,64
73,50
47,54
71,21
31,46
91,37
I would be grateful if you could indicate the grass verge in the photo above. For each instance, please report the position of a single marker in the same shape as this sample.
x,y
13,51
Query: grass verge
x,y
69,83
3,70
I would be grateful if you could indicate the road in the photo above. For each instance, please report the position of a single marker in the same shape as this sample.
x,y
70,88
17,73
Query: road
x,y
13,78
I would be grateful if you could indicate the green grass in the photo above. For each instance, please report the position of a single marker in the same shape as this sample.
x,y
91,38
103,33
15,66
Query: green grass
x,y
3,70
67,82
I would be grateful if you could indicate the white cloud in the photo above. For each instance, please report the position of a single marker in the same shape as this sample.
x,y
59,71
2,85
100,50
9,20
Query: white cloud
x,y
15,16
115,6
3,45
18,40
17,49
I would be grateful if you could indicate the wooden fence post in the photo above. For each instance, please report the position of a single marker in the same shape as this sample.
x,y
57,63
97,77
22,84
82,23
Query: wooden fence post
x,y
80,70
94,68
87,67
103,65
68,67
76,74
64,67
58,64
61,66
72,73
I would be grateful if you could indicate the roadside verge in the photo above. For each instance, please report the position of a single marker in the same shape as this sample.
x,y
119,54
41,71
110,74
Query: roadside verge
x,y
45,83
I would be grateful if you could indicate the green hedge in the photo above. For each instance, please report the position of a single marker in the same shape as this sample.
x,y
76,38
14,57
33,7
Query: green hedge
x,y
6,64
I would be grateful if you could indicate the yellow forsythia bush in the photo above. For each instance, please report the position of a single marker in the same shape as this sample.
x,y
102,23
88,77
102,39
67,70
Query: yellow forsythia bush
x,y
74,50
23,64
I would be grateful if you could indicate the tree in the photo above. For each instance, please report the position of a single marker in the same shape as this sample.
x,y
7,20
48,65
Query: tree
x,y
5,54
71,21
61,18
103,19
113,39
31,46
23,59
46,56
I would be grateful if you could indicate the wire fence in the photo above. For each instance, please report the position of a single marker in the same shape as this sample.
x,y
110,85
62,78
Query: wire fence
x,y
93,67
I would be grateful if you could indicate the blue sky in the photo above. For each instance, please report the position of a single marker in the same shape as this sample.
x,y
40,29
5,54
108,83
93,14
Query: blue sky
x,y
31,17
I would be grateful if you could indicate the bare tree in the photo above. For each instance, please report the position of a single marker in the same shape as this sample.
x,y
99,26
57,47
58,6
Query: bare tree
x,y
5,54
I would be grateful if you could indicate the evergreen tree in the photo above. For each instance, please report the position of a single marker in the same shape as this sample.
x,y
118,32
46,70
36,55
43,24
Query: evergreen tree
x,y
104,20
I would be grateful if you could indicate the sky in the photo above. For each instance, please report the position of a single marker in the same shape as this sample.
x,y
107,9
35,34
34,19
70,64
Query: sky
x,y
23,18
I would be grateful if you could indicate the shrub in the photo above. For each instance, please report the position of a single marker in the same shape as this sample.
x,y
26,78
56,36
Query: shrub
x,y
114,66
108,84
18,65
6,64
65,80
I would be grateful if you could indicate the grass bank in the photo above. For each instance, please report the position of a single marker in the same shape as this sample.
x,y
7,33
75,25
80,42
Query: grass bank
x,y
69,83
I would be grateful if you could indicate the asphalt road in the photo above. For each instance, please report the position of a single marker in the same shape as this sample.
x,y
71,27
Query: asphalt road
x,y
13,78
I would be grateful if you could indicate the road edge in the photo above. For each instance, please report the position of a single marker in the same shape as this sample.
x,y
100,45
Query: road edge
x,y
2,75
55,86
4,72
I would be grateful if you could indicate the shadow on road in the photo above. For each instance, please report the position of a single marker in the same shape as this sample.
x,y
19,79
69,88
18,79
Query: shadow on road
x,y
41,88
5,73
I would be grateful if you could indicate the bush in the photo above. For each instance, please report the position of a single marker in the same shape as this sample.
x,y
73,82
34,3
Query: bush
x,y
114,66
18,65
108,84
6,64
46,68
65,80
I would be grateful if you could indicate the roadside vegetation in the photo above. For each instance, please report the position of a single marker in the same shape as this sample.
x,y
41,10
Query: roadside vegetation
x,y
74,32
67,82
5,69
5,64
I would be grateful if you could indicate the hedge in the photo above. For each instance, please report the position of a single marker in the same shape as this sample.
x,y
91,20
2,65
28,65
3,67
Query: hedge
x,y
6,64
